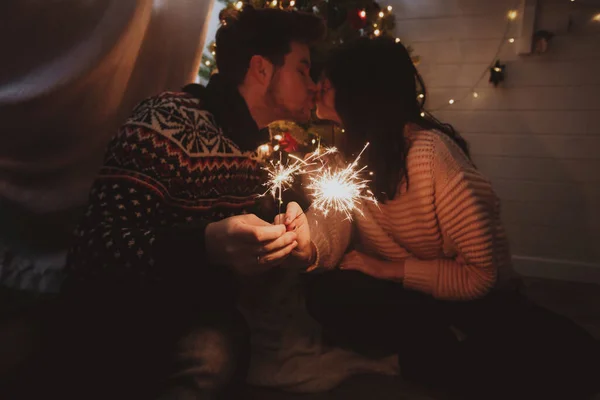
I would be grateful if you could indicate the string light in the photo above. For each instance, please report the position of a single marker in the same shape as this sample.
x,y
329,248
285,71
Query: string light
x,y
274,3
377,32
421,96
277,137
362,14
422,114
239,5
597,17
389,8
512,15
207,63
374,25
292,3
276,147
381,14
397,40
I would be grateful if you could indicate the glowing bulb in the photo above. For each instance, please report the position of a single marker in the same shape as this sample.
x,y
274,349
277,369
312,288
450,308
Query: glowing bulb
x,y
421,96
389,8
497,69
207,63
377,32
239,5
292,3
451,101
371,173
397,40
597,17
475,94
274,3
314,141
362,14
422,114
381,14
512,14
374,25
276,147
213,53
511,40
343,130
277,137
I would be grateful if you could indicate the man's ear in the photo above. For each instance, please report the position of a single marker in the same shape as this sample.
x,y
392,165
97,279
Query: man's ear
x,y
260,70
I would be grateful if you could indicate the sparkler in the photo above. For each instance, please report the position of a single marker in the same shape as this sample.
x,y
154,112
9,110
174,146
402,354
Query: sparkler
x,y
333,188
340,189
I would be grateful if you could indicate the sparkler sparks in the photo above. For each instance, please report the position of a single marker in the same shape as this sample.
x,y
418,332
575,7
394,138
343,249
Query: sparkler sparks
x,y
340,189
333,188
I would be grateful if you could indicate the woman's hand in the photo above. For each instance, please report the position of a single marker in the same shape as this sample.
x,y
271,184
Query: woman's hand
x,y
380,269
295,221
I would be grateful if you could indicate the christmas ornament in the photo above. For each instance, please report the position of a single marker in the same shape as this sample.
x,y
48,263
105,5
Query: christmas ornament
x,y
497,73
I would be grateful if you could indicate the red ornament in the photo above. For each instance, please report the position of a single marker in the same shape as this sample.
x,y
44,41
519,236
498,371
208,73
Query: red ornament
x,y
357,18
288,143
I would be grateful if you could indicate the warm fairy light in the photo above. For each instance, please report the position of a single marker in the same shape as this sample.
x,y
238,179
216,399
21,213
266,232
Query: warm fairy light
x,y
340,189
207,63
422,114
276,147
397,40
274,3
213,53
512,14
389,8
421,96
314,141
511,40
475,94
381,14
451,101
277,137
597,17
362,14
497,69
374,25
292,3
377,32
239,5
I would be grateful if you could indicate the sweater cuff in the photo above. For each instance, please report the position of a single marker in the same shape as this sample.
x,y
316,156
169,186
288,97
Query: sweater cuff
x,y
315,264
421,275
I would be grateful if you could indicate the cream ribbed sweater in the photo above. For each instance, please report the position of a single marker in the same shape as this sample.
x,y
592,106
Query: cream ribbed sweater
x,y
446,226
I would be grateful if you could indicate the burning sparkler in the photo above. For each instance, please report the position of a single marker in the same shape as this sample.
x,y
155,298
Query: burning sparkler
x,y
340,189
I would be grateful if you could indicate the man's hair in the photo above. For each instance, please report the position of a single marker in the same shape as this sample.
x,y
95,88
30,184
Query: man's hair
x,y
265,32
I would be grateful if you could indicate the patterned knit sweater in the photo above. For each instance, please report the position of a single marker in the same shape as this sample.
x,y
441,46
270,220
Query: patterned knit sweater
x,y
172,168
445,226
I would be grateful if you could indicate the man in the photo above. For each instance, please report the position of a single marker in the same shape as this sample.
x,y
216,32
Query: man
x,y
171,224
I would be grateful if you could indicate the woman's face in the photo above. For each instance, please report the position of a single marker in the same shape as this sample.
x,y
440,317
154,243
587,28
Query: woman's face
x,y
326,102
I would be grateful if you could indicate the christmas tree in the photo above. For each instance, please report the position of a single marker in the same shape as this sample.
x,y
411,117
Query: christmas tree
x,y
346,20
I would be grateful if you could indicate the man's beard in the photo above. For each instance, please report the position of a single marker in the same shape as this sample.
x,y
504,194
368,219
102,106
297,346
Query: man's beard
x,y
275,103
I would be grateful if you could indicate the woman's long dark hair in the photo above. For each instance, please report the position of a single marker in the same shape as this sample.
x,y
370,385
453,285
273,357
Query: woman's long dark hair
x,y
375,84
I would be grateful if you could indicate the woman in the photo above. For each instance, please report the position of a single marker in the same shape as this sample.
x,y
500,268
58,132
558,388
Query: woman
x,y
430,275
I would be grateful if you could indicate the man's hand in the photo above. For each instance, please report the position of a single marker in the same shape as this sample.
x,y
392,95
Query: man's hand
x,y
248,244
295,221
375,267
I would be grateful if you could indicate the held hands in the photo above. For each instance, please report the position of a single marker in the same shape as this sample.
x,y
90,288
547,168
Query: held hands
x,y
295,221
248,244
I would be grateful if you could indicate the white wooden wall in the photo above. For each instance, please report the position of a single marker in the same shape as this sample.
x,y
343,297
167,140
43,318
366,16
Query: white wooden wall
x,y
537,136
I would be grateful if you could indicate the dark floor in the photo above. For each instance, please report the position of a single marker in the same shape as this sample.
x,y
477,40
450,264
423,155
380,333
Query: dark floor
x,y
579,301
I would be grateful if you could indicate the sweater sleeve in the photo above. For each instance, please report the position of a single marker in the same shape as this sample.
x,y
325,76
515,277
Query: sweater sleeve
x,y
130,233
331,235
465,208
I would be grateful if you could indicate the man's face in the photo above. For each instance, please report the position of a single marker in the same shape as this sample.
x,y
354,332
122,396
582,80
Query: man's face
x,y
291,92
